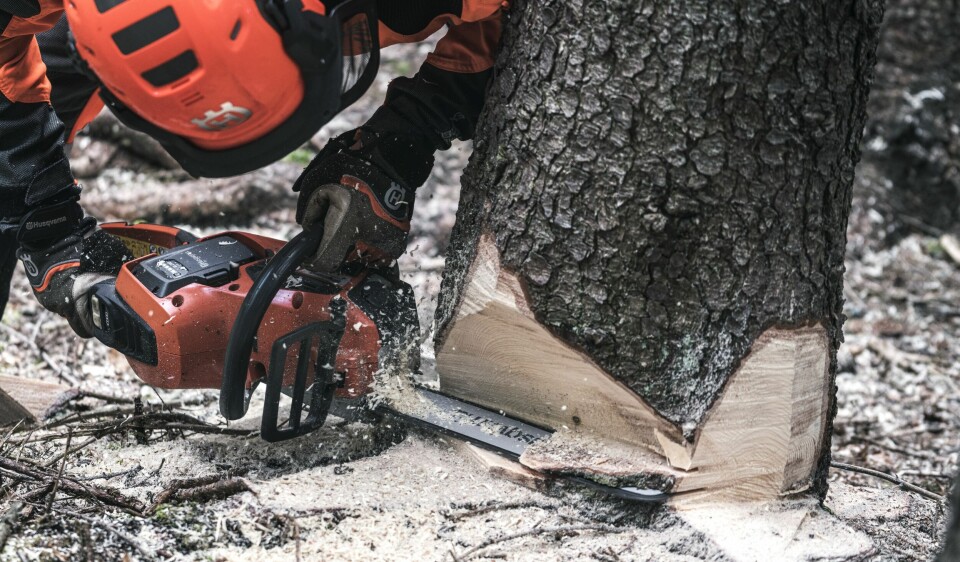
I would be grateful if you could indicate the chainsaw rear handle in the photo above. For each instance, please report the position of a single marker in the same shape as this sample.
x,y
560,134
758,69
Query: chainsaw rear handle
x,y
234,395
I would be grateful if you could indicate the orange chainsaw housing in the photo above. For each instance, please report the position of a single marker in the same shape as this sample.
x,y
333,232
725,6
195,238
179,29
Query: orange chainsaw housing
x,y
192,324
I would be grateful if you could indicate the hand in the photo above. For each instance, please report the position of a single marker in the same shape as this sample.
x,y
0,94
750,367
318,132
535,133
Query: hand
x,y
364,204
62,270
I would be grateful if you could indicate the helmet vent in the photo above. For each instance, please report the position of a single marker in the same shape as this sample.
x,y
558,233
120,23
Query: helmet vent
x,y
104,5
174,69
235,32
146,31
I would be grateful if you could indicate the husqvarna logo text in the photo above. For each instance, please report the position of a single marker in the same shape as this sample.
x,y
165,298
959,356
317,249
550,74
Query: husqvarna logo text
x,y
395,196
228,116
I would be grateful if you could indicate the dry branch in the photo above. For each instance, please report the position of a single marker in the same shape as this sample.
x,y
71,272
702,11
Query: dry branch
x,y
202,489
102,495
889,478
59,479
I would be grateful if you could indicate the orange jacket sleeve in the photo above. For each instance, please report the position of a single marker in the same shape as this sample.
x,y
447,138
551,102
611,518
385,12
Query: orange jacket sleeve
x,y
468,47
33,167
23,76
444,100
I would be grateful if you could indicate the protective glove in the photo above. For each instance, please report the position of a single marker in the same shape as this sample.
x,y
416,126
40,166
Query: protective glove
x,y
360,190
64,255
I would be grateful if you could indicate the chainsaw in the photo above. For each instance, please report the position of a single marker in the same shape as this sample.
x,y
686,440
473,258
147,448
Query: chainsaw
x,y
235,311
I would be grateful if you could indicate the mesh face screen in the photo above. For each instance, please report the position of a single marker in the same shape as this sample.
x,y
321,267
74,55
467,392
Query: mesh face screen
x,y
357,45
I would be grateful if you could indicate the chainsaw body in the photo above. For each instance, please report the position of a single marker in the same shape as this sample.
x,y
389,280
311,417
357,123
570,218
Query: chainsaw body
x,y
172,311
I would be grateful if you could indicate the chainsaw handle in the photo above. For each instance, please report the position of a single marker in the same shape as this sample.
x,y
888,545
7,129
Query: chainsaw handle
x,y
234,397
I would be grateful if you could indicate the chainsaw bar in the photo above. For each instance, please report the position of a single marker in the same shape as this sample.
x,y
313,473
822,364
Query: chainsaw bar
x,y
493,431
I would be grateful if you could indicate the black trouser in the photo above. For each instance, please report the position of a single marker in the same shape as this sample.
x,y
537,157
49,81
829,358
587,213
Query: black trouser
x,y
70,94
8,261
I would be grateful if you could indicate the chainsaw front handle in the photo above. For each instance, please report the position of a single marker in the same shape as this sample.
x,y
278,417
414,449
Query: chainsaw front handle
x,y
234,395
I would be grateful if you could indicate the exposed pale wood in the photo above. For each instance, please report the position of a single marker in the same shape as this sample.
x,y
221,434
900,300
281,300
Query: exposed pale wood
x,y
27,399
499,356
760,440
502,467
762,437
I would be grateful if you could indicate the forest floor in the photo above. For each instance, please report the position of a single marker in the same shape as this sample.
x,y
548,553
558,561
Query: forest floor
x,y
358,492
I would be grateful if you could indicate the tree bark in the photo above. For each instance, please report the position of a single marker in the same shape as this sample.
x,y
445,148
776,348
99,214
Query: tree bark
x,y
912,137
951,539
648,254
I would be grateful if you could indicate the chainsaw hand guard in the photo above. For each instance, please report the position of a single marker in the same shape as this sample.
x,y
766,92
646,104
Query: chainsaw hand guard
x,y
324,381
234,394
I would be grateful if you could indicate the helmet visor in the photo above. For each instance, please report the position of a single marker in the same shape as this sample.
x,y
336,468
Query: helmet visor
x,y
357,45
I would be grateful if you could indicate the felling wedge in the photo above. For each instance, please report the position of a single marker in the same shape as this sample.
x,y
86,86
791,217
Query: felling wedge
x,y
760,440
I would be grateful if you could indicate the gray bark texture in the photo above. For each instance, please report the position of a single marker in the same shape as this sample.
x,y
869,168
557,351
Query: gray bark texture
x,y
951,543
670,178
912,136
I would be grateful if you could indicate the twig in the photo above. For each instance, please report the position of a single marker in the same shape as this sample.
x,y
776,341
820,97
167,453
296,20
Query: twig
x,y
9,522
69,485
69,451
496,507
922,474
6,437
892,449
111,412
889,478
61,371
204,488
208,492
538,531
37,494
56,483
158,421
101,396
111,475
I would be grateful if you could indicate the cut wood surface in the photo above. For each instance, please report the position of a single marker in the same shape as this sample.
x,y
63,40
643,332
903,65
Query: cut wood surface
x,y
28,399
502,467
759,440
499,356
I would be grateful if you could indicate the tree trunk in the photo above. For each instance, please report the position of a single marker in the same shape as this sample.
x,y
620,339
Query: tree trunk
x,y
951,539
648,254
912,137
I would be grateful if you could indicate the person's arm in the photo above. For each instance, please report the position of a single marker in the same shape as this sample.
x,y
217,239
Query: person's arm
x,y
33,167
360,189
63,252
443,101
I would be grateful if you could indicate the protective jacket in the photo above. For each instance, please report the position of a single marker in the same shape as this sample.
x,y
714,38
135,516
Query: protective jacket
x,y
43,101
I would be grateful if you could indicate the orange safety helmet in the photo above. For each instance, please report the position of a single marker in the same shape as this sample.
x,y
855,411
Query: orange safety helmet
x,y
227,86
